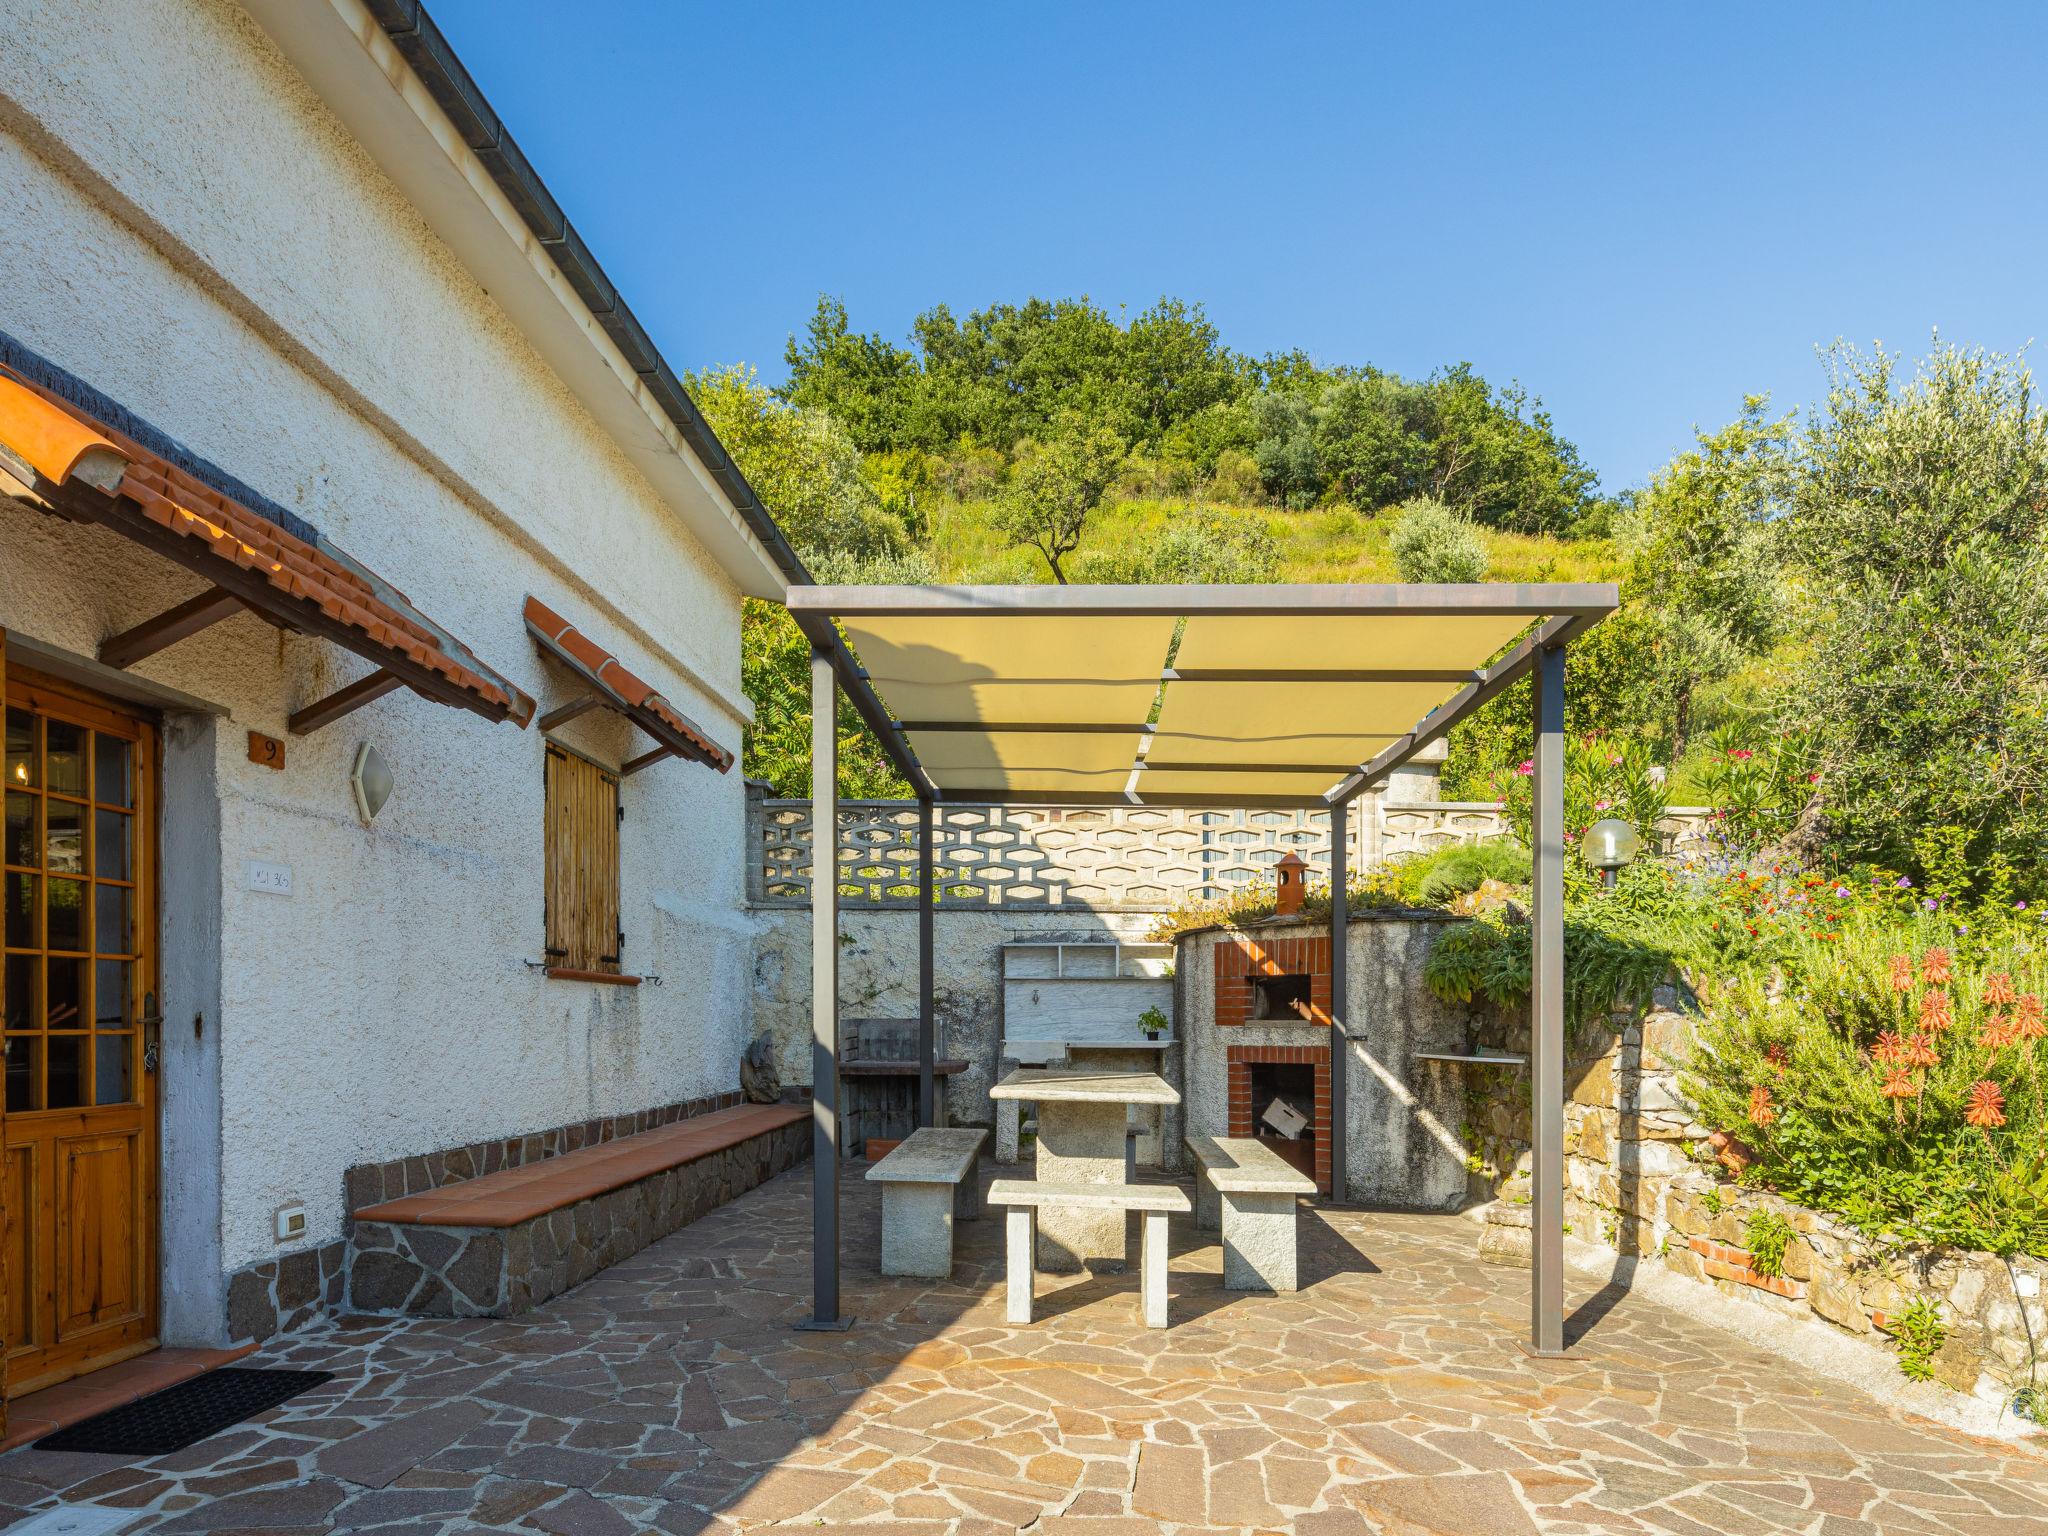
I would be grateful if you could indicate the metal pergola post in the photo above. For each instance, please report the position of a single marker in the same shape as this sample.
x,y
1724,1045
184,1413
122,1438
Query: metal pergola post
x,y
1340,990
927,1023
1546,1010
825,1314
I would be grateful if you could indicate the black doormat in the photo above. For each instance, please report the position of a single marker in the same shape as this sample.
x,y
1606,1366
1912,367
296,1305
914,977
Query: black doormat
x,y
183,1415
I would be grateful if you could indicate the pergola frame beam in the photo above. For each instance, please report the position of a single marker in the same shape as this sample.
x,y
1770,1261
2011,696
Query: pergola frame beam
x,y
818,628
1560,614
1320,675
1498,678
1529,600
825,1314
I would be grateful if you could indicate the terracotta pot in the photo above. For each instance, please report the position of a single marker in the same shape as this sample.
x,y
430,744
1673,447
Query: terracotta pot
x,y
1734,1154
879,1148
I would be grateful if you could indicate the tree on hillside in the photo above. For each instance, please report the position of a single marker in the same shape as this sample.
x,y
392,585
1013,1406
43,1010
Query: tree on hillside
x,y
1920,525
863,382
1008,372
1703,575
804,467
1375,439
1055,486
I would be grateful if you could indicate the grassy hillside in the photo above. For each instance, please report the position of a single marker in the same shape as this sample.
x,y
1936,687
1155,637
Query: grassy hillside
x,y
1322,544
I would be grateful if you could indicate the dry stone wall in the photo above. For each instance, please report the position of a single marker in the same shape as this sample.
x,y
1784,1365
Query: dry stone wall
x,y
1643,1179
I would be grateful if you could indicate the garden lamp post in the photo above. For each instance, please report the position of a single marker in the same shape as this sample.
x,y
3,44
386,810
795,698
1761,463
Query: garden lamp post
x,y
1608,846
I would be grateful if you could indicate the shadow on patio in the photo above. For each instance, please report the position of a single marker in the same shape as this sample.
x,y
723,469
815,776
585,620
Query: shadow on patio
x,y
672,1394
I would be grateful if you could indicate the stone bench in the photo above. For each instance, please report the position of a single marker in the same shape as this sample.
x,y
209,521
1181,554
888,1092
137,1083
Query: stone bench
x,y
1023,1197
1248,1190
501,1244
930,1181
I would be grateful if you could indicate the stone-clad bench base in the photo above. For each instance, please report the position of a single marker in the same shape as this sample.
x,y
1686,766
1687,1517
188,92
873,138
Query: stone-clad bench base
x,y
502,1244
1249,1191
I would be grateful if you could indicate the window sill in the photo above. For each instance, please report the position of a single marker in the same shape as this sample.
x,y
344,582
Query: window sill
x,y
603,978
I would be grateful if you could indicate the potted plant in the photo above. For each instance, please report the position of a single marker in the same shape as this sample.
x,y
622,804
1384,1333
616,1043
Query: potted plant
x,y
1153,1022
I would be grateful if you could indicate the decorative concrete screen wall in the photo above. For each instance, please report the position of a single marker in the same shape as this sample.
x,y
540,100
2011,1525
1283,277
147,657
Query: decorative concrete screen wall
x,y
1098,858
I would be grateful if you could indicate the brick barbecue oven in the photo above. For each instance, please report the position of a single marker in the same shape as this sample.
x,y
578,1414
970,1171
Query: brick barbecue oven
x,y
1279,981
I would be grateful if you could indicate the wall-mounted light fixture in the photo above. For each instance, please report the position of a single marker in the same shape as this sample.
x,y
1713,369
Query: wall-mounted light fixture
x,y
371,782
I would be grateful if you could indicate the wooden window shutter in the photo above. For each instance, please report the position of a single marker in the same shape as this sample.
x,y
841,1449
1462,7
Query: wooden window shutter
x,y
582,863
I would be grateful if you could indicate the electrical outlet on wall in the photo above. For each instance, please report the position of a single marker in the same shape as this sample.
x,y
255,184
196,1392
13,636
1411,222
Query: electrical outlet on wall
x,y
291,1223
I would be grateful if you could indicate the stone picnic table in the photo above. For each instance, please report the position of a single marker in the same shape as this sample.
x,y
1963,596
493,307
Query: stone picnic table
x,y
1082,1114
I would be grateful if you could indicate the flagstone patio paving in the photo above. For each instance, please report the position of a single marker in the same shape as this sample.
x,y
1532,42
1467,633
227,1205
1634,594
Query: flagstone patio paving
x,y
671,1394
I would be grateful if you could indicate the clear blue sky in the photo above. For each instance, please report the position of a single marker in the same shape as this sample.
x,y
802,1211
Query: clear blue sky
x,y
1641,211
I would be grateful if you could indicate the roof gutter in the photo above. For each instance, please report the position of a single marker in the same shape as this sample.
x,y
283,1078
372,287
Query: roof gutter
x,y
424,47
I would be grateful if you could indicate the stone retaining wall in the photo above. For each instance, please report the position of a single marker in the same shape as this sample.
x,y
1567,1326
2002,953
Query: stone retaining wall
x,y
436,1271
1641,1179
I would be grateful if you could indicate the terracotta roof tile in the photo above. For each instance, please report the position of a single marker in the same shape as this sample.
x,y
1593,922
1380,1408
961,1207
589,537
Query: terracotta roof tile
x,y
625,690
56,439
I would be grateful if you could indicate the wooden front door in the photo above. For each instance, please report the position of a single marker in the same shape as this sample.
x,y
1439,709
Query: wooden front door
x,y
79,1176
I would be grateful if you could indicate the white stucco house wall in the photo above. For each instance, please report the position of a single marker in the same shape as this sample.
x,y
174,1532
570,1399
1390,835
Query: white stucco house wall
x,y
257,229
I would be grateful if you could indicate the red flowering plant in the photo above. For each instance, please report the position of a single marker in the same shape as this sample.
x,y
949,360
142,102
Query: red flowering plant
x,y
1884,1058
1604,776
1758,784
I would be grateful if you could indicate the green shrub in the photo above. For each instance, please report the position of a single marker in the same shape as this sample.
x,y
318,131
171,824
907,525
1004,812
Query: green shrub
x,y
1885,1064
1766,1235
1921,1333
1433,543
1460,868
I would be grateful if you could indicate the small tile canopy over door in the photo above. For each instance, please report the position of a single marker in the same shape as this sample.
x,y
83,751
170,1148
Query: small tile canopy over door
x,y
77,999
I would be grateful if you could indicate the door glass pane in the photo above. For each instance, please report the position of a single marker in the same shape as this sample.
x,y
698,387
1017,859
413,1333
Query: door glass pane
x,y
113,1069
68,1057
110,1002
64,756
66,991
65,914
64,837
110,772
21,747
111,927
24,992
20,897
110,832
24,1072
21,831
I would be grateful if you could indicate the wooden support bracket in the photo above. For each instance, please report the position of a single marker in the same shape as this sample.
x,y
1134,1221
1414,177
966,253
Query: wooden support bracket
x,y
343,701
647,760
570,711
169,627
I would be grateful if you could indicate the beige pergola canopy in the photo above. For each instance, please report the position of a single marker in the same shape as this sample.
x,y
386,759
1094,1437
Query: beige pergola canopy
x,y
1251,695
1218,696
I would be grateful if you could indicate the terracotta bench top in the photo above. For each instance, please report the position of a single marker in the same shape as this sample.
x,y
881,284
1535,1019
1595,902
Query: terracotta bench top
x,y
514,1195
